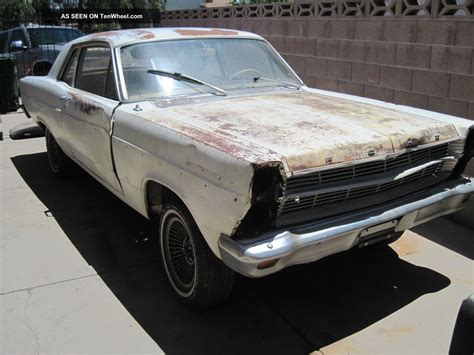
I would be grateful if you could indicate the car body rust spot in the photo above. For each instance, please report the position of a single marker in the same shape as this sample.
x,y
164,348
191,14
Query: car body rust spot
x,y
144,34
210,32
104,34
212,139
136,33
84,106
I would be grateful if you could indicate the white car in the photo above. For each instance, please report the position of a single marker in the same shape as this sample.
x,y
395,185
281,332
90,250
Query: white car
x,y
210,132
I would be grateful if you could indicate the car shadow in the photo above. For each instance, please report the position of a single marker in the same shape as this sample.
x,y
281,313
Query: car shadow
x,y
459,241
298,310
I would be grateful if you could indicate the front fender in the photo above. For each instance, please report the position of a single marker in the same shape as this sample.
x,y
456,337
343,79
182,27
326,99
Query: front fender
x,y
214,186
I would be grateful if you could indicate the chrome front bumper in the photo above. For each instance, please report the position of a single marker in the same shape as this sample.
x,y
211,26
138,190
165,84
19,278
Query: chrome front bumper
x,y
304,244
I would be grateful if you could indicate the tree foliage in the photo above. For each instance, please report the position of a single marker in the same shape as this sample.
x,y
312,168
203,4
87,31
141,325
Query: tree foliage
x,y
16,12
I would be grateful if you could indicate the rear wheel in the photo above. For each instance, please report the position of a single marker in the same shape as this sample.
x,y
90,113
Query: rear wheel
x,y
196,275
60,164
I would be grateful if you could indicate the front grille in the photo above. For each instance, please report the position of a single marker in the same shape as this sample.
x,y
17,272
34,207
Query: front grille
x,y
295,204
321,178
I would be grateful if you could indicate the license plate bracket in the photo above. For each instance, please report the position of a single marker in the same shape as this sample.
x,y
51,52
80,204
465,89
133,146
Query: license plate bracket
x,y
377,233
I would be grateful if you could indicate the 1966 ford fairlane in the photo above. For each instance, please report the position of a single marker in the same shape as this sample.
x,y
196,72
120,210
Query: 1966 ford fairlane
x,y
211,133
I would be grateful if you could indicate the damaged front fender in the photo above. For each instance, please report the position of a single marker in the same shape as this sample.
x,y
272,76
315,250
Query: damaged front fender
x,y
267,189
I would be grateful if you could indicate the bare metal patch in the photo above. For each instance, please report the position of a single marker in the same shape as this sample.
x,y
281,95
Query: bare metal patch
x,y
210,32
105,34
144,34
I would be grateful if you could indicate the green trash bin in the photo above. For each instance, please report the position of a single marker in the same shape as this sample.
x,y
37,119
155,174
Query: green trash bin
x,y
8,85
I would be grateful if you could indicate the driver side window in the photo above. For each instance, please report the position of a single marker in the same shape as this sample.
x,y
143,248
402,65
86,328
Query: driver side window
x,y
95,72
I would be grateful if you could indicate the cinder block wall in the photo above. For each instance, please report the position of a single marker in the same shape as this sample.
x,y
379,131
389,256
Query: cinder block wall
x,y
421,61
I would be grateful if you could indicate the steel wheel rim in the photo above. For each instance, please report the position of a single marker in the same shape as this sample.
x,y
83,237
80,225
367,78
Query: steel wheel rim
x,y
180,255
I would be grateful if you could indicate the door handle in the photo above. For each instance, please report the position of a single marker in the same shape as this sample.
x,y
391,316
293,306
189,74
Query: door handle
x,y
65,98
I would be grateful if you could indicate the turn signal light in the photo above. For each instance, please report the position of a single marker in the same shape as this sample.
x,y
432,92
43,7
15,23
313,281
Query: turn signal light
x,y
267,263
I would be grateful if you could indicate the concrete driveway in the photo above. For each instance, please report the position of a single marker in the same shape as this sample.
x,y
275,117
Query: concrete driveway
x,y
80,274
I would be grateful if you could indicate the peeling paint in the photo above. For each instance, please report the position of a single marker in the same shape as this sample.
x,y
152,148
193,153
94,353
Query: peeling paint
x,y
206,32
219,138
144,34
105,34
136,33
308,130
84,106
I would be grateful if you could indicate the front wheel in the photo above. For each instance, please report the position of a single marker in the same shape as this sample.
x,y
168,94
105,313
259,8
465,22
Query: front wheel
x,y
197,276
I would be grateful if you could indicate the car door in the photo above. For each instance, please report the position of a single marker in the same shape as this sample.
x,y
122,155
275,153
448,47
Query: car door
x,y
88,111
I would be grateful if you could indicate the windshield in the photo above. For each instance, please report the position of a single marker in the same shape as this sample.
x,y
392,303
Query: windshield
x,y
51,35
225,63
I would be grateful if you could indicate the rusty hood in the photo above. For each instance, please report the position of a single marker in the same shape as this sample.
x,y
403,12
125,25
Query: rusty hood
x,y
308,130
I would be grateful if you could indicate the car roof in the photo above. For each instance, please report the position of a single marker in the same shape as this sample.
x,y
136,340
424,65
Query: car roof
x,y
125,37
139,35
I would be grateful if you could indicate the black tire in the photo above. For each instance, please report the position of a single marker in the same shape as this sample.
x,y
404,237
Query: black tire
x,y
462,341
61,165
196,275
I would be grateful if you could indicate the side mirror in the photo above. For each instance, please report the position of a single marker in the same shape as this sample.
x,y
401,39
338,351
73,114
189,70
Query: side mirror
x,y
17,46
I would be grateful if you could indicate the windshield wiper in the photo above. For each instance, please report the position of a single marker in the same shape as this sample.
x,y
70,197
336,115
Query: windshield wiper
x,y
284,83
187,79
